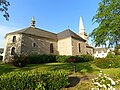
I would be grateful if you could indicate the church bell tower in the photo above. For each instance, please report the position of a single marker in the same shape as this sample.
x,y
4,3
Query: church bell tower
x,y
82,30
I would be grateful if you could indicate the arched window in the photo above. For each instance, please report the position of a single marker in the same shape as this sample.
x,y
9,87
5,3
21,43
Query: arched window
x,y
13,51
14,38
79,47
33,44
51,48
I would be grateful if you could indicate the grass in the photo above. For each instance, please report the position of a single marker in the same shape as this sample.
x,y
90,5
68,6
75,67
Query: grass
x,y
85,72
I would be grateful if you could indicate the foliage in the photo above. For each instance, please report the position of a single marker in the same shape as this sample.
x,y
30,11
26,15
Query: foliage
x,y
76,59
62,58
48,80
110,55
87,58
107,62
108,18
71,59
37,59
4,8
103,82
117,50
1,57
19,60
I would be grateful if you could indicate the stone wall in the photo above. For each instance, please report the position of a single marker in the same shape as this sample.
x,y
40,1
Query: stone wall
x,y
75,47
9,44
89,50
65,46
42,45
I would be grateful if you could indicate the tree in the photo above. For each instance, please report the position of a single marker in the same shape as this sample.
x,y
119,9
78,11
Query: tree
x,y
117,50
4,8
108,18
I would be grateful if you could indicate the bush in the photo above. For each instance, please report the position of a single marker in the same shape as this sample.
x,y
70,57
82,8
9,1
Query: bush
x,y
107,63
103,82
76,59
37,59
48,80
117,50
62,58
84,58
110,55
19,60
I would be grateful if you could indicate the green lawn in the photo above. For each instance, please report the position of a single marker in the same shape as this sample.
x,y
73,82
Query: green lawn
x,y
80,67
85,72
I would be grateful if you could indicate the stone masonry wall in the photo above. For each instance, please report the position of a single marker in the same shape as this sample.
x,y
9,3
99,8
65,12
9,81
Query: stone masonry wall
x,y
64,46
90,51
9,44
42,45
75,47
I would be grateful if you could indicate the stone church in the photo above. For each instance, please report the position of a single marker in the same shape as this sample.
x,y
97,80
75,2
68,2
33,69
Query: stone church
x,y
32,40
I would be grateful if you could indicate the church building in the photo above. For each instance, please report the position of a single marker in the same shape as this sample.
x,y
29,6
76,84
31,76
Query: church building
x,y
33,40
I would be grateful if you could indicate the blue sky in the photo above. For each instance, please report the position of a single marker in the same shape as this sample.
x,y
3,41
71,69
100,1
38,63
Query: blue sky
x,y
51,15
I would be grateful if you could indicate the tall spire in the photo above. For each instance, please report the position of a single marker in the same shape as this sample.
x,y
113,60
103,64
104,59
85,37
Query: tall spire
x,y
81,26
82,30
33,22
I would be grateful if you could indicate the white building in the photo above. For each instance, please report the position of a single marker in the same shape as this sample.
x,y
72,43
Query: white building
x,y
101,52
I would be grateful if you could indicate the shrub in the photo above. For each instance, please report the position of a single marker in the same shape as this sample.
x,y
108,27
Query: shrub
x,y
19,60
62,58
47,80
76,59
110,55
71,59
86,58
37,59
103,82
117,50
107,63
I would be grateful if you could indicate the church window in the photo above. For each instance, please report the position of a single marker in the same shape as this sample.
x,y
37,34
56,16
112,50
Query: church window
x,y
34,44
79,47
13,51
51,48
14,38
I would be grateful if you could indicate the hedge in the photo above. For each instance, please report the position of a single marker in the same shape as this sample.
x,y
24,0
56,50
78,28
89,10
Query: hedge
x,y
37,59
76,59
107,62
23,59
48,80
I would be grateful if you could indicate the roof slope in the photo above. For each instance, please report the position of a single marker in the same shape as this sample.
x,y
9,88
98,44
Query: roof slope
x,y
36,32
46,34
68,33
100,50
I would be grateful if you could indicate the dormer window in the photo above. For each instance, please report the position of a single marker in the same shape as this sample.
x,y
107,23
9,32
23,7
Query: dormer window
x,y
14,38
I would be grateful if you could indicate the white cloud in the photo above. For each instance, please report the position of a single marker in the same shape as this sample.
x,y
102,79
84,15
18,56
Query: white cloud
x,y
3,31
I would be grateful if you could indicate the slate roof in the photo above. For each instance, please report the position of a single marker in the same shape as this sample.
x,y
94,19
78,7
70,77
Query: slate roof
x,y
1,50
43,33
36,32
68,33
88,46
100,50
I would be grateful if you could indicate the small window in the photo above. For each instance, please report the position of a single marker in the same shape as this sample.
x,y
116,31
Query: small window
x,y
51,48
13,51
14,38
79,47
34,44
